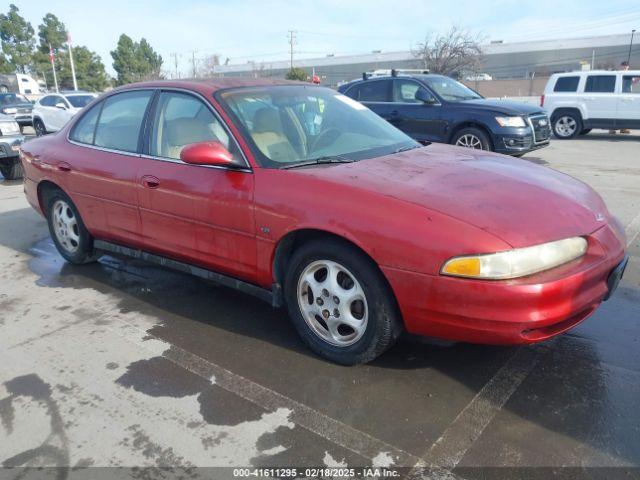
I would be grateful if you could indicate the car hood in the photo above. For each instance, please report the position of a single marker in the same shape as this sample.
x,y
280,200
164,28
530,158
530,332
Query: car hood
x,y
18,105
501,106
521,203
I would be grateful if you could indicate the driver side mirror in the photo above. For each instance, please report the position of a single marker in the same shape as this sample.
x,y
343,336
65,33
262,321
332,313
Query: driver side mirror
x,y
61,106
207,153
426,97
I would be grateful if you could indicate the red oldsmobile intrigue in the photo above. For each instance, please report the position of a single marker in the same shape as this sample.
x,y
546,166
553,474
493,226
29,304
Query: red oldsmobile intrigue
x,y
304,197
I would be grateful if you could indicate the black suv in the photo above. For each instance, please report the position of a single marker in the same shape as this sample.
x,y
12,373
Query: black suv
x,y
435,108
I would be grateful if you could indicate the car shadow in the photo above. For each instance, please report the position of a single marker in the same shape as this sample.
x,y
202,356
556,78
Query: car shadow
x,y
618,137
571,399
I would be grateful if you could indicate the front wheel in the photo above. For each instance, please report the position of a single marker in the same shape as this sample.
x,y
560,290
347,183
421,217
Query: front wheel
x,y
38,126
12,170
70,236
340,303
472,137
567,125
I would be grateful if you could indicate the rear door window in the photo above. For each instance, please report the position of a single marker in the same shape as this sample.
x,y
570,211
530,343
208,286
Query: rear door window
x,y
373,91
566,84
121,119
600,84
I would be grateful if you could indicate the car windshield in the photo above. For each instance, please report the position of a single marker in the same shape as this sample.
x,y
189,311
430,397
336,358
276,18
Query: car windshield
x,y
12,98
299,124
79,101
451,90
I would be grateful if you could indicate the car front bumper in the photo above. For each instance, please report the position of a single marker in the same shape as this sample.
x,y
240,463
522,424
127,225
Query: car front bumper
x,y
509,312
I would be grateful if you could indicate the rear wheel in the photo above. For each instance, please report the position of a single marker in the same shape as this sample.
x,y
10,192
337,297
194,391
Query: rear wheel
x,y
340,303
12,170
67,230
38,126
472,137
567,125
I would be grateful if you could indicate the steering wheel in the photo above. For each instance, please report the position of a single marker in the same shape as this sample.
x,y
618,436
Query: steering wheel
x,y
324,138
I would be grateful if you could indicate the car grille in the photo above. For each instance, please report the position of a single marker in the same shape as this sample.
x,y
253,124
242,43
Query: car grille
x,y
541,128
24,110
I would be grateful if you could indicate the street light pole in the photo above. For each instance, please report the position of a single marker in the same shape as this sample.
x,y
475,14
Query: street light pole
x,y
630,45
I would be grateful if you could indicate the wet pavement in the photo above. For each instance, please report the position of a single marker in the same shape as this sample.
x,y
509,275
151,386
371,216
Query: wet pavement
x,y
120,363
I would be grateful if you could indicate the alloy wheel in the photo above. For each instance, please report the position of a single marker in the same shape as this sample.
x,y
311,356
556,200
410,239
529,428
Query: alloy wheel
x,y
65,226
333,303
470,141
39,128
566,126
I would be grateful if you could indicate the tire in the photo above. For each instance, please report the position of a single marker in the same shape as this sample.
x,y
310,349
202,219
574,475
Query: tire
x,y
76,245
584,131
472,137
38,126
12,171
567,125
367,301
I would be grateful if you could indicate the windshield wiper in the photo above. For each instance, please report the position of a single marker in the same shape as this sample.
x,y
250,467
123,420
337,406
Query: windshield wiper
x,y
319,161
407,148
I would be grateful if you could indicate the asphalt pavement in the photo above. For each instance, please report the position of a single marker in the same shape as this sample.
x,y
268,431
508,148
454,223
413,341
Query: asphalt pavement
x,y
120,363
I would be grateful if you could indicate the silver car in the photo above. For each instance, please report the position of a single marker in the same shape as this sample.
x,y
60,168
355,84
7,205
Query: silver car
x,y
10,141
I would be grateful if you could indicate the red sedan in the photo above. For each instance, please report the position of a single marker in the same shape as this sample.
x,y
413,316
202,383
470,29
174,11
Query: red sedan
x,y
304,197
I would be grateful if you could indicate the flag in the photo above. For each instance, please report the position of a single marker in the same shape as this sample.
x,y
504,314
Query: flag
x,y
52,55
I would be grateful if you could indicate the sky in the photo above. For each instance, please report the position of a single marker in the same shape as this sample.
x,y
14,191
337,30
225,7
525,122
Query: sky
x,y
257,30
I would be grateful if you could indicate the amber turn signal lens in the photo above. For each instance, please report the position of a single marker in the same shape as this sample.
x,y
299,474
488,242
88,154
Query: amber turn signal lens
x,y
465,266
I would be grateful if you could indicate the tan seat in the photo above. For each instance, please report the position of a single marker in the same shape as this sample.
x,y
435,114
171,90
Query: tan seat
x,y
268,135
181,132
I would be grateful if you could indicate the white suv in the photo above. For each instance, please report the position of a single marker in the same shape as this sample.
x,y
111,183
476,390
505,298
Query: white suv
x,y
579,101
51,112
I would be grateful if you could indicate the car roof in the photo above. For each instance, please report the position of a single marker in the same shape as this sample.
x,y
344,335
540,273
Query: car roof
x,y
212,84
596,72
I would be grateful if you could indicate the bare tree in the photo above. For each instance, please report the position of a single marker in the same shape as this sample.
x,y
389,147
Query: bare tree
x,y
207,66
455,52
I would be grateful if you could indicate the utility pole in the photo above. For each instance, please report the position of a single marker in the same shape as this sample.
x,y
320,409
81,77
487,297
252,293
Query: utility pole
x,y
630,45
292,42
73,68
193,63
175,56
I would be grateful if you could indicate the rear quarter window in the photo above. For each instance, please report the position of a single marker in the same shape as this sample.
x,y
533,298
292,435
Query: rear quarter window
x,y
600,84
566,84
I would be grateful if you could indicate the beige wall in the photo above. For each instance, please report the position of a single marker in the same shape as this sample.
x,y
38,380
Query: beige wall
x,y
509,88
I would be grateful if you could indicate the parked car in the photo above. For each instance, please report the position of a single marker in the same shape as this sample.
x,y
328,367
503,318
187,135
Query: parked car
x,y
17,106
580,101
478,77
10,141
435,108
305,198
53,111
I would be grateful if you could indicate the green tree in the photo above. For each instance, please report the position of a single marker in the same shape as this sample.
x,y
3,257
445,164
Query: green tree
x,y
296,74
17,39
149,62
90,71
5,65
135,61
51,32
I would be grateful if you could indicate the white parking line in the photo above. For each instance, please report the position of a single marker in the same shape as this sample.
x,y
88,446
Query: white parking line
x,y
465,429
632,230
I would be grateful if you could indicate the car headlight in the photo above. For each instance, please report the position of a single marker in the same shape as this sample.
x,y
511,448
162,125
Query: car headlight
x,y
510,121
9,128
518,262
10,110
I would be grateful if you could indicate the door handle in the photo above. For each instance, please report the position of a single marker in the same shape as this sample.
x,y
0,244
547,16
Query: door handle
x,y
150,181
63,167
